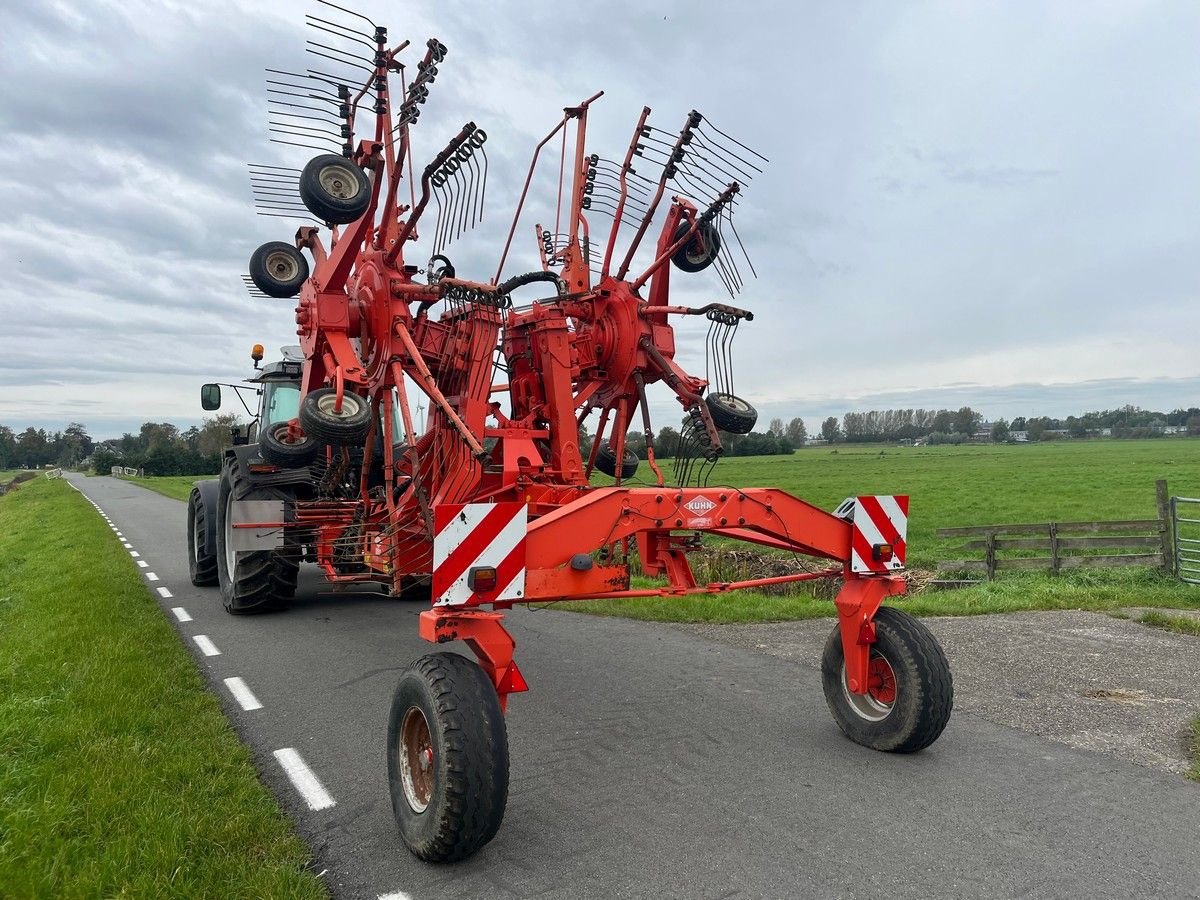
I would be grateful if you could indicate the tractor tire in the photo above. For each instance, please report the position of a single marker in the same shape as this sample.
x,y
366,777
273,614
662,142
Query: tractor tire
x,y
202,561
275,448
698,253
911,694
252,581
278,269
730,413
447,758
334,189
606,462
347,428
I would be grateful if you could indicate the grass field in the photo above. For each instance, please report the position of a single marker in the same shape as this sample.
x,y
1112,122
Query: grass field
x,y
177,486
119,777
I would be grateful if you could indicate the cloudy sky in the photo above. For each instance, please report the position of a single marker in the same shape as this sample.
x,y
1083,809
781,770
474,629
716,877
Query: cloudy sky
x,y
994,204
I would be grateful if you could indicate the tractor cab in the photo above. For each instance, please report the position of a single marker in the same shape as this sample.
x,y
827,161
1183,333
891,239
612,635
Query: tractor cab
x,y
276,387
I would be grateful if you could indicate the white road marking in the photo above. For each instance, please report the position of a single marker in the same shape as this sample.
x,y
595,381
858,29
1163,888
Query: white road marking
x,y
150,576
242,694
303,779
207,647
127,545
396,895
134,554
180,613
164,593
142,564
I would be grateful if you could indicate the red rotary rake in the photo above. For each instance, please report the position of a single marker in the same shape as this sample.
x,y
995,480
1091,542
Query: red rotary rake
x,y
492,503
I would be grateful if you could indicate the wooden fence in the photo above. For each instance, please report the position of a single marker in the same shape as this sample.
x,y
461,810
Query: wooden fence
x,y
1068,545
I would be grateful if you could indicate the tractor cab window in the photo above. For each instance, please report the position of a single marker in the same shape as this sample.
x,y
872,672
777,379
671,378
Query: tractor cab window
x,y
281,401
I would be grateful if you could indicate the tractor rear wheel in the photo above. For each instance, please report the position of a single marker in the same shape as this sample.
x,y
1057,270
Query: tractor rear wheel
x,y
731,413
334,189
447,758
910,691
606,462
340,428
252,581
275,446
202,561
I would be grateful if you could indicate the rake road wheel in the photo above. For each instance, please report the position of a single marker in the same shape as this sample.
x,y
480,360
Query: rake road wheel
x,y
730,413
606,462
910,690
202,561
447,758
252,581
700,251
277,448
278,269
326,424
334,189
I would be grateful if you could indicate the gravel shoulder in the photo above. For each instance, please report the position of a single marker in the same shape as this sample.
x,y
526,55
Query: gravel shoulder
x,y
1084,679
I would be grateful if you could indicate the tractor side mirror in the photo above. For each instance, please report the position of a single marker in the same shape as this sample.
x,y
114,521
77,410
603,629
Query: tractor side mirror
x,y
210,396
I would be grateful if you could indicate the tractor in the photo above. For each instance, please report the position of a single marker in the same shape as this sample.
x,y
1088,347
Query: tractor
x,y
491,501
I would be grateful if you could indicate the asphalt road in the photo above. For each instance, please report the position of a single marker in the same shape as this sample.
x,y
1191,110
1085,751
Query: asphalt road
x,y
648,761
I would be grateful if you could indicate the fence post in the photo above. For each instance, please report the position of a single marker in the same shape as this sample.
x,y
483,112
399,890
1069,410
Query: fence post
x,y
990,559
1164,522
1055,565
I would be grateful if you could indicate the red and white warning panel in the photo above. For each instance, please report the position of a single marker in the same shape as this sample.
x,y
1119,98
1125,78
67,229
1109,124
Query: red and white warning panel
x,y
880,530
478,553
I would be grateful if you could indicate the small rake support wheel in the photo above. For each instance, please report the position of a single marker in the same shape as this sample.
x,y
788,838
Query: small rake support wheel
x,y
910,691
278,269
700,250
277,447
202,560
447,758
606,462
334,189
324,422
731,413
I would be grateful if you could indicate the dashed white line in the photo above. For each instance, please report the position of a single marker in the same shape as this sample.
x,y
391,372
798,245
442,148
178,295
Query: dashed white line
x,y
142,564
150,576
207,647
127,545
396,895
180,613
134,554
242,694
303,779
164,593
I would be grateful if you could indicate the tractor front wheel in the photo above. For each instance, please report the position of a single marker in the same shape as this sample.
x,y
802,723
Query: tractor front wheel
x,y
447,758
202,561
909,692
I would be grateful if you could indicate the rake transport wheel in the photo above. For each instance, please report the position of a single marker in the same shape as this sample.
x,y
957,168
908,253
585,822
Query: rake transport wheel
x,y
447,757
252,581
910,690
278,269
606,462
340,428
730,413
277,448
202,563
334,189
698,253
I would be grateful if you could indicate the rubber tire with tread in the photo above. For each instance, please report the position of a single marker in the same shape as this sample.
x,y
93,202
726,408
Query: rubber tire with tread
x,y
280,452
729,417
267,281
264,580
327,428
691,257
924,686
324,205
470,751
606,462
202,567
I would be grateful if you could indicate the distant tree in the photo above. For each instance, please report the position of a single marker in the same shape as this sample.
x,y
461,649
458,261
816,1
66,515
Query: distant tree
x,y
1193,425
999,431
103,460
8,447
636,442
796,433
776,427
943,420
830,430
33,448
966,421
1017,424
214,436
1036,429
667,442
74,445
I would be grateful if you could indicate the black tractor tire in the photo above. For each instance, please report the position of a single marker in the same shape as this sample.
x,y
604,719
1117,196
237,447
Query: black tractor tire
x,y
347,428
278,269
912,691
334,189
731,413
202,561
700,251
447,758
275,448
606,462
261,580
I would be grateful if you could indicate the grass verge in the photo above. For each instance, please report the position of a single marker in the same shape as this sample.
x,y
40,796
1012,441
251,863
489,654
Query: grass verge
x,y
1177,624
1194,772
120,776
178,487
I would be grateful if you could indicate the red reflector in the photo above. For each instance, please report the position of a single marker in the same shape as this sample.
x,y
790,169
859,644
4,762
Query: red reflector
x,y
881,552
482,579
